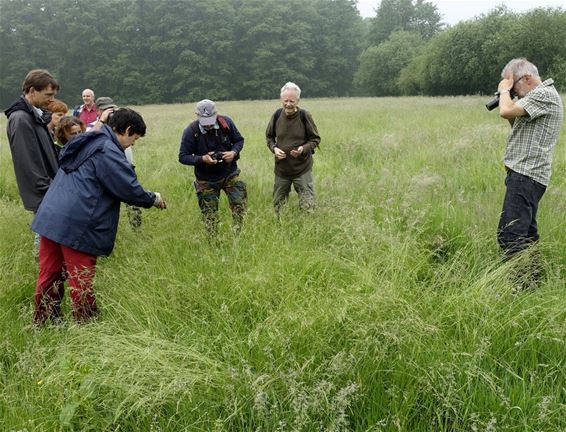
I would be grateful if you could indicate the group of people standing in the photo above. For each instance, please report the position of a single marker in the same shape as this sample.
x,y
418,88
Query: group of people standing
x,y
76,191
74,182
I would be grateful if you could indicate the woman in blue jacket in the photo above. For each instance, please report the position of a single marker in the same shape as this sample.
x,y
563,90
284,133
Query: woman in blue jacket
x,y
78,218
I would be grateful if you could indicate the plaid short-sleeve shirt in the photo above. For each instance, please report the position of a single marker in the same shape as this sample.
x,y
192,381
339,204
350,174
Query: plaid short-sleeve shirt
x,y
532,138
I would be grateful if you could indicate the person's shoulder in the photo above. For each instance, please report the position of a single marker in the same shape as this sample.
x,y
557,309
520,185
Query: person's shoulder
x,y
306,114
100,139
227,118
191,128
226,123
20,114
543,93
20,117
550,90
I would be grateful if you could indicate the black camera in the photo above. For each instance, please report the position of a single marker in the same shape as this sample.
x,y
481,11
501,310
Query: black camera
x,y
218,157
494,103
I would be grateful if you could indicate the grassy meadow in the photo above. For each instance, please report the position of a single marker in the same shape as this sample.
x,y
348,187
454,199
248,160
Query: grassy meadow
x,y
387,309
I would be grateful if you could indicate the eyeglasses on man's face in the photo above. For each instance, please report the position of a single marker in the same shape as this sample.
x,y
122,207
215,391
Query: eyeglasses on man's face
x,y
518,79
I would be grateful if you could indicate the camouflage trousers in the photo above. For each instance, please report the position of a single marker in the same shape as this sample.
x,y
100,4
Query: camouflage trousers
x,y
134,216
134,213
208,194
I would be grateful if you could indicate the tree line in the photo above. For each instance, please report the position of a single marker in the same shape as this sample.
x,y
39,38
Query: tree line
x,y
466,58
149,51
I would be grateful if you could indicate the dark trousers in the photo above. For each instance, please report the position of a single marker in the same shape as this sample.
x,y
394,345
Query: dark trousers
x,y
518,223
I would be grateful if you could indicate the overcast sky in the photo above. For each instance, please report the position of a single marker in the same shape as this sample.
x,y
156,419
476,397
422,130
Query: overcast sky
x,y
453,11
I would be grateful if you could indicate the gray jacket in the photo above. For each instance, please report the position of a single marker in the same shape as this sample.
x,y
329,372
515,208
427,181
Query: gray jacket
x,y
33,152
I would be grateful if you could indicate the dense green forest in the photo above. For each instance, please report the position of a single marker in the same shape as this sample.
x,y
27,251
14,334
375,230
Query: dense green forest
x,y
149,51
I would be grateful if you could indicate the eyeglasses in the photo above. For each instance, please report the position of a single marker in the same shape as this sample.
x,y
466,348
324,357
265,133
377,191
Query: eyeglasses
x,y
518,79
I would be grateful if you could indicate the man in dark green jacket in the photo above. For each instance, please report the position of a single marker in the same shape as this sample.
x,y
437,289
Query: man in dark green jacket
x,y
292,136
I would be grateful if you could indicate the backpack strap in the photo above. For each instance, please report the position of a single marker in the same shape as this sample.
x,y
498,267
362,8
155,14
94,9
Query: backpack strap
x,y
276,116
223,123
195,129
302,115
226,128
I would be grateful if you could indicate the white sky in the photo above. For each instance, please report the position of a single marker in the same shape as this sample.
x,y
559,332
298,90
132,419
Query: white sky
x,y
453,11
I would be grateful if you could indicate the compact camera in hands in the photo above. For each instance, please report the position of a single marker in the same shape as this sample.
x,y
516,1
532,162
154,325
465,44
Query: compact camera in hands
x,y
218,156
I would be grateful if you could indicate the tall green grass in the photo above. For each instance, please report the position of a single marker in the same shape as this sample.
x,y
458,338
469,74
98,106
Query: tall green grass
x,y
388,309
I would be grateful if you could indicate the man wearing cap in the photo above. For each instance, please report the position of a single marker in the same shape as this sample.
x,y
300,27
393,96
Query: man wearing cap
x,y
87,111
212,144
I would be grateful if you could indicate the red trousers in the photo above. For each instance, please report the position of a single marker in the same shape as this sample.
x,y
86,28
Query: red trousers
x,y
57,263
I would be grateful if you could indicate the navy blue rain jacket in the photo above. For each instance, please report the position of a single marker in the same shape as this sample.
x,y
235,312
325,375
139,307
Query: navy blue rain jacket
x,y
82,206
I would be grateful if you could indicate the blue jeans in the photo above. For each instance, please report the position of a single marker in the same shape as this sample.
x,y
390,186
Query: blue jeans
x,y
518,223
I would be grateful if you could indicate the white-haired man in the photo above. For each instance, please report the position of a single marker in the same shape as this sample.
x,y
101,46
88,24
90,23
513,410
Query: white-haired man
x,y
87,111
292,136
536,118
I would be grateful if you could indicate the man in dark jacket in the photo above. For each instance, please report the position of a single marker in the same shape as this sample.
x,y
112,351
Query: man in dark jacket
x,y
33,152
78,217
212,143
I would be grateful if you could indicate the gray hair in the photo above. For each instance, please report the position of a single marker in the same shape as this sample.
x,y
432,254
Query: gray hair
x,y
520,67
291,86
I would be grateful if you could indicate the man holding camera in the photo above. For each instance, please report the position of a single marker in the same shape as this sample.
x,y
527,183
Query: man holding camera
x,y
212,144
536,118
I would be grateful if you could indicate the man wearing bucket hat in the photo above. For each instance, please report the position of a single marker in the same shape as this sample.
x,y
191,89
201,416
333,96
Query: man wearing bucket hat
x,y
105,106
212,144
